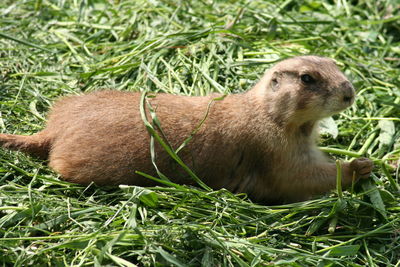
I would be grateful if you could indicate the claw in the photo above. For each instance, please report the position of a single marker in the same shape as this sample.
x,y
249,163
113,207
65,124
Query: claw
x,y
362,167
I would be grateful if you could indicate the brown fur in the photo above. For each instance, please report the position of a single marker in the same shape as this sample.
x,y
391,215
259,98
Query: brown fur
x,y
261,142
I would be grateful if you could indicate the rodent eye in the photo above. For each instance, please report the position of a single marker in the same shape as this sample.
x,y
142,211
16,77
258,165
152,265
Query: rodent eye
x,y
306,78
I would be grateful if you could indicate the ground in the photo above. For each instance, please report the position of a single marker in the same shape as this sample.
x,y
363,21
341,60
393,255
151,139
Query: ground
x,y
51,48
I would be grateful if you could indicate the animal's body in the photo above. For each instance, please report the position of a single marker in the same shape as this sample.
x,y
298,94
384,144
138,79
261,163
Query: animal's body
x,y
261,142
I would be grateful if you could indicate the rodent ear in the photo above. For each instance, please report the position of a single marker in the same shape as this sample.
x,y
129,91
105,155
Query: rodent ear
x,y
275,81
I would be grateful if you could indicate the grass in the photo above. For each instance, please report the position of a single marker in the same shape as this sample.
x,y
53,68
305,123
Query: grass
x,y
51,48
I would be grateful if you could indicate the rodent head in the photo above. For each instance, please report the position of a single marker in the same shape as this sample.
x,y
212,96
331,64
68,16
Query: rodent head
x,y
305,89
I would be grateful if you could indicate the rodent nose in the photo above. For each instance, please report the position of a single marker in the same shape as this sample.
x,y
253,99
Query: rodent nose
x,y
348,92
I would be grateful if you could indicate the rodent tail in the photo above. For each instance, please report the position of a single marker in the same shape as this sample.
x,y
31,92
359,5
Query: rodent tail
x,y
36,145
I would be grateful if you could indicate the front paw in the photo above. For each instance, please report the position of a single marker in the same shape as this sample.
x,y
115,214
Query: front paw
x,y
362,167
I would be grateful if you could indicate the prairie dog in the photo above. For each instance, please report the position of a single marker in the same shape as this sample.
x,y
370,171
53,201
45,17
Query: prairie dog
x,y
261,142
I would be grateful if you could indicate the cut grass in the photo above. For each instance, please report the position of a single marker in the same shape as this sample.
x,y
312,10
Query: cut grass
x,y
54,48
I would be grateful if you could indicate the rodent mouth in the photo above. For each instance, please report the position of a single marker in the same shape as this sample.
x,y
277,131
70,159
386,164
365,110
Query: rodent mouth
x,y
342,105
340,108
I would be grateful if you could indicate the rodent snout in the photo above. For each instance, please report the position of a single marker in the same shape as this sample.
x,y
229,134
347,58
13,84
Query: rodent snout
x,y
348,92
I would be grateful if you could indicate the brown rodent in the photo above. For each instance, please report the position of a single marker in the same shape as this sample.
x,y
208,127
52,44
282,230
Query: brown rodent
x,y
261,142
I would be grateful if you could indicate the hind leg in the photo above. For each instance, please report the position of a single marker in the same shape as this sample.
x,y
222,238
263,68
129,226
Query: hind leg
x,y
77,163
68,169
